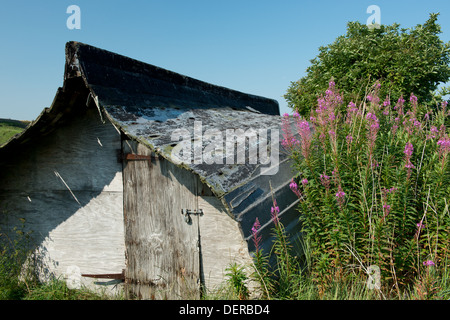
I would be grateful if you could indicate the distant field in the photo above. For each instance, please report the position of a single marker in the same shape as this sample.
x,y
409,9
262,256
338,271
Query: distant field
x,y
9,128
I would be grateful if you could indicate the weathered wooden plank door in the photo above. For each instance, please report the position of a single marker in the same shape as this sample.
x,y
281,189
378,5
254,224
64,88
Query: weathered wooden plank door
x,y
162,249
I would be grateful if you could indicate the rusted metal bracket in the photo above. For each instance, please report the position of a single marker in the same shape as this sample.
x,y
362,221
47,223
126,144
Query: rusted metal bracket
x,y
136,157
187,214
117,276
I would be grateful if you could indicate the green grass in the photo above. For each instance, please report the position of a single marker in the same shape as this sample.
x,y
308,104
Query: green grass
x,y
9,128
58,290
434,284
11,288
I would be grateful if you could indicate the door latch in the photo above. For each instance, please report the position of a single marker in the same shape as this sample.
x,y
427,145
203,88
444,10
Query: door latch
x,y
187,214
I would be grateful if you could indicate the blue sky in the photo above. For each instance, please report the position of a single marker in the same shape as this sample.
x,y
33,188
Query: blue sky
x,y
257,47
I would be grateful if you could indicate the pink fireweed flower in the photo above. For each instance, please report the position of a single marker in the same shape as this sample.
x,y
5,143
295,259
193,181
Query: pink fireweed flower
x,y
412,124
399,106
274,211
256,239
325,180
386,105
289,140
442,129
409,166
334,173
340,195
352,111
256,226
408,153
433,132
444,145
352,107
294,188
293,185
289,143
349,139
395,125
444,148
429,263
371,116
427,115
304,131
394,129
413,100
417,124
409,149
304,182
392,190
336,176
420,226
386,209
327,105
373,98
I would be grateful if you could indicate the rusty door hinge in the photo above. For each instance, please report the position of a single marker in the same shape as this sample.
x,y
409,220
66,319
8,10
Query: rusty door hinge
x,y
118,276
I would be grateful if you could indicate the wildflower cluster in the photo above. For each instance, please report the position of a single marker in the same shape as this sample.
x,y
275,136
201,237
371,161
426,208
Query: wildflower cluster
x,y
288,141
278,277
390,177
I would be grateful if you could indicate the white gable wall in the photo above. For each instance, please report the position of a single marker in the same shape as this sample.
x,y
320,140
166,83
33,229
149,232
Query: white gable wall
x,y
78,230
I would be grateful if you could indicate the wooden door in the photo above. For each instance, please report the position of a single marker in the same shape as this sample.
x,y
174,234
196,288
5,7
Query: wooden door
x,y
162,248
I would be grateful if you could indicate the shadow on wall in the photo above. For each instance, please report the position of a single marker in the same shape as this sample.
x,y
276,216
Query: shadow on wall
x,y
64,188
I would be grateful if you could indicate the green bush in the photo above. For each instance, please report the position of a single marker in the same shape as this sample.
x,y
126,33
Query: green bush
x,y
237,281
404,60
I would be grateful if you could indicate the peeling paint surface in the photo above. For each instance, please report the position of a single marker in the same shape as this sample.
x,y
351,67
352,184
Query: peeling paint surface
x,y
246,193
156,127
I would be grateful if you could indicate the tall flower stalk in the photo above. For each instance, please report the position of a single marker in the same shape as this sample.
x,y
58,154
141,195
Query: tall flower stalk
x,y
409,149
372,173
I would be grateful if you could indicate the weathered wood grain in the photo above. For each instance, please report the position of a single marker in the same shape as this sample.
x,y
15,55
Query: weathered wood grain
x,y
162,249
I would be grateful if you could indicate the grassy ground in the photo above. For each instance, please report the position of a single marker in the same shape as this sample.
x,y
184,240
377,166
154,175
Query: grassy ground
x,y
234,287
9,128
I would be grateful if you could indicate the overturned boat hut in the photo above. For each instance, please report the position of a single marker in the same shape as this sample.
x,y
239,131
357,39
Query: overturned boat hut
x,y
143,176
